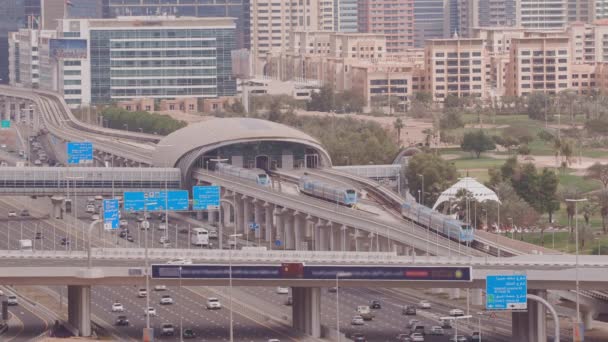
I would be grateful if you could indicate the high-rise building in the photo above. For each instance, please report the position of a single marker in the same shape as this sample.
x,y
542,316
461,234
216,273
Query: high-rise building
x,y
429,21
194,8
542,14
581,10
497,13
393,18
462,17
15,14
345,15
601,9
161,57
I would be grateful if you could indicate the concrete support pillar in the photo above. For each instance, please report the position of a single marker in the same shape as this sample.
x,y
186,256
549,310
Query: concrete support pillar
x,y
7,110
357,238
289,232
587,317
247,213
269,216
335,234
454,294
79,308
211,216
299,228
476,297
306,310
279,229
257,218
226,208
344,238
519,326
199,216
240,214
537,318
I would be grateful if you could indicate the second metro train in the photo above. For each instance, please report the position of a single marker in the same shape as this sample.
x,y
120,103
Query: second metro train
x,y
257,175
333,193
434,220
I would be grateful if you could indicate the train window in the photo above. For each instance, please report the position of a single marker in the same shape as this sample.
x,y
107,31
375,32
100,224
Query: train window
x,y
466,227
351,192
262,176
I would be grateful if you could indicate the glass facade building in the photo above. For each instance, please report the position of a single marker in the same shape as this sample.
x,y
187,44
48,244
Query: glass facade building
x,y
15,14
192,8
161,63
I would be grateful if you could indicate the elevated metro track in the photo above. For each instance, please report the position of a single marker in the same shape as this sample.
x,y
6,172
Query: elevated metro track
x,y
60,122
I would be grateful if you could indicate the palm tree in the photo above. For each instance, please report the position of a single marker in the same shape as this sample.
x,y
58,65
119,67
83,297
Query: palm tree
x,y
398,125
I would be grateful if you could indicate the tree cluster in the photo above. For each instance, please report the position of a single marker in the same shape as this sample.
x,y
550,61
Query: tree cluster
x,y
477,142
438,175
538,189
327,100
152,123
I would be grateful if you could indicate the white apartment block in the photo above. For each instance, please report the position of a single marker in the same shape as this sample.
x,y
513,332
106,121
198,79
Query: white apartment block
x,y
538,64
455,67
272,21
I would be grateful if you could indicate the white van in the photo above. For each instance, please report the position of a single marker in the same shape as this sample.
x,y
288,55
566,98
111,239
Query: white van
x,y
199,237
25,245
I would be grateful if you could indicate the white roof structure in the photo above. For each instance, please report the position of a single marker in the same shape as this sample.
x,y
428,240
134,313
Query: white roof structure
x,y
480,192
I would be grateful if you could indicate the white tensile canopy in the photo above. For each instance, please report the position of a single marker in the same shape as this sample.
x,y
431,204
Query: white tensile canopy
x,y
480,192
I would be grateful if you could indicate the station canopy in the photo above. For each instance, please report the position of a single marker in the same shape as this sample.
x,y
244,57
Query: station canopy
x,y
479,191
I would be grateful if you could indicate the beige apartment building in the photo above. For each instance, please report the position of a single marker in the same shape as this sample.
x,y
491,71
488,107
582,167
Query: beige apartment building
x,y
455,67
538,64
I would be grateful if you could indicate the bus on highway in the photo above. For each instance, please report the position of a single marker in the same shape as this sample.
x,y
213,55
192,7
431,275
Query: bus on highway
x,y
199,237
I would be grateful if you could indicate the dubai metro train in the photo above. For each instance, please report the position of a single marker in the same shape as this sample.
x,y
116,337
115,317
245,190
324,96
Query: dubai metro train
x,y
333,193
257,175
434,220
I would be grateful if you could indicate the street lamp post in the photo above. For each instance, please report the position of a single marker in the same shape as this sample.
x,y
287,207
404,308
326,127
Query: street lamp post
x,y
479,314
578,304
232,236
146,226
422,176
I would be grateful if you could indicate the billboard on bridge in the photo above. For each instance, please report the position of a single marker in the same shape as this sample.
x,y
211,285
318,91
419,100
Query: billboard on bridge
x,y
313,272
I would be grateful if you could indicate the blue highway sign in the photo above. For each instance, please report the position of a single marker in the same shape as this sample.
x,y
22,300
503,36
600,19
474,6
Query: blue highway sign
x,y
176,200
79,152
506,292
205,197
111,219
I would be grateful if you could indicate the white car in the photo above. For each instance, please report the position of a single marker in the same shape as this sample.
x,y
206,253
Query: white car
x,y
417,337
124,223
162,226
117,307
142,293
456,312
163,240
151,311
282,290
99,198
357,320
90,209
160,288
12,300
95,217
424,304
166,300
436,330
213,234
412,323
180,261
1,293
12,213
213,304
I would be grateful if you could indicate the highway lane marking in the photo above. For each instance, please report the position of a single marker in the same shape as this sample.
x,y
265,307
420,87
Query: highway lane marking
x,y
21,325
244,315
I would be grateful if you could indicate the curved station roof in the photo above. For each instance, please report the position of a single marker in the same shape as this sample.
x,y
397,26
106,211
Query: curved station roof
x,y
184,146
479,191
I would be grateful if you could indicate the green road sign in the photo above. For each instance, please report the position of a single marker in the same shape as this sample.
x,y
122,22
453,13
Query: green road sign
x,y
6,124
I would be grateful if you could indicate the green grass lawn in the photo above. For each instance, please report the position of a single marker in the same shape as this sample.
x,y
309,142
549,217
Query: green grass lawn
x,y
584,185
477,163
561,241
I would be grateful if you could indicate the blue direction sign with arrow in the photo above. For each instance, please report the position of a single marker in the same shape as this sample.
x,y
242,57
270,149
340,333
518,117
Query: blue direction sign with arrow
x,y
111,218
173,200
205,197
79,152
506,292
